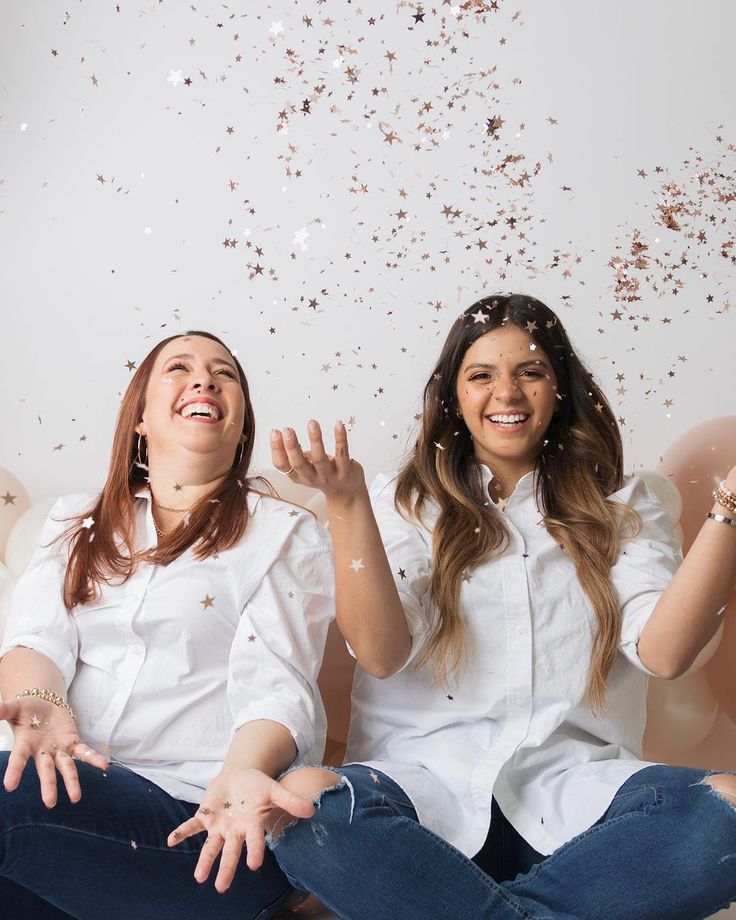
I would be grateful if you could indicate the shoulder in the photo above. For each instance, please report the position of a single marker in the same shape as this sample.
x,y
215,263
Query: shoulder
x,y
637,493
67,508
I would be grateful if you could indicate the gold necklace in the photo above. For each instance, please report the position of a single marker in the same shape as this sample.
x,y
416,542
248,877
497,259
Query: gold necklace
x,y
166,507
159,532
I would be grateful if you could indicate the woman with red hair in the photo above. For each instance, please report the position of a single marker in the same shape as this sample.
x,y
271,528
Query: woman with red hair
x,y
161,657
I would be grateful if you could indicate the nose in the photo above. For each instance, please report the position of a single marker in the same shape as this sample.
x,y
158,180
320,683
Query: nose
x,y
206,383
507,388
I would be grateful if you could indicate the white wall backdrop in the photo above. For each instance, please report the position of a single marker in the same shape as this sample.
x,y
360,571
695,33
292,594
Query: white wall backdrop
x,y
327,184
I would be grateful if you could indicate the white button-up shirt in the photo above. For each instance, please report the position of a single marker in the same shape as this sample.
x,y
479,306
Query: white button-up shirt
x,y
516,725
162,669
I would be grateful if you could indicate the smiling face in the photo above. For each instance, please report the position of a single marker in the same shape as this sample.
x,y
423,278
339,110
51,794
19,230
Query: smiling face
x,y
506,393
194,401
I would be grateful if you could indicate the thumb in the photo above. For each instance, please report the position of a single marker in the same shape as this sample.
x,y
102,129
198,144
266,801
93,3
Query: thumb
x,y
10,710
296,805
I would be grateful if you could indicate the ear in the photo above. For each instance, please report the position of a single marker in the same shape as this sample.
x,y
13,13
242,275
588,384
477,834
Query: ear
x,y
141,429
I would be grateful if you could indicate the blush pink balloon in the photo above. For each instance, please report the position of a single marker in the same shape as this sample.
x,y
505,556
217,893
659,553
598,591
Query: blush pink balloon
x,y
696,462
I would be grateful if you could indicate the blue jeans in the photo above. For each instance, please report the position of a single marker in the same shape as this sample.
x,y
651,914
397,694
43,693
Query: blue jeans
x,y
107,856
664,850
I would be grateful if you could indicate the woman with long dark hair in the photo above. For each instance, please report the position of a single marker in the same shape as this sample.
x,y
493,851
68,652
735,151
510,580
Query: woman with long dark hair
x,y
507,595
161,656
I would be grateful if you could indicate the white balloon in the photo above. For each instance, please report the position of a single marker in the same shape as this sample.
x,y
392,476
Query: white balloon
x,y
666,492
680,714
679,533
25,535
13,502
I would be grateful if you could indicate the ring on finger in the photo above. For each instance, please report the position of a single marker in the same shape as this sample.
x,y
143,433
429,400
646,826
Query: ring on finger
x,y
287,472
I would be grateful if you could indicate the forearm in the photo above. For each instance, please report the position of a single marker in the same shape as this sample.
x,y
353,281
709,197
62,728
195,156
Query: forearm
x,y
368,608
23,668
261,745
690,610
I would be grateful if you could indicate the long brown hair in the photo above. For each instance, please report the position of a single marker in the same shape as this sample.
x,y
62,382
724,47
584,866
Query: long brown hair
x,y
217,521
580,464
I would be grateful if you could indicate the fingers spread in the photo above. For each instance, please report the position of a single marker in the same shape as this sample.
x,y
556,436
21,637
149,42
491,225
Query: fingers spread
x,y
187,829
65,766
278,452
229,861
255,844
47,777
88,755
16,765
317,447
342,453
210,851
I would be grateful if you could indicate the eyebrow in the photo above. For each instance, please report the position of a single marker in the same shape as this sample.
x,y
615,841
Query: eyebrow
x,y
190,357
492,367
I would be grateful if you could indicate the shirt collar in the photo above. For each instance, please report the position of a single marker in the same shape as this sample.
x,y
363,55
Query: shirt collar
x,y
524,487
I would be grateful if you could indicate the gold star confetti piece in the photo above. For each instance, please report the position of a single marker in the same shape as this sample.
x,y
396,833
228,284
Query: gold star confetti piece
x,y
208,601
251,638
356,565
88,522
130,365
35,722
227,805
133,844
8,498
373,776
479,317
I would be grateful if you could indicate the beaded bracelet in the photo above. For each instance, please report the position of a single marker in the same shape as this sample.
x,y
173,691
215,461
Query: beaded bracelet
x,y
48,696
725,497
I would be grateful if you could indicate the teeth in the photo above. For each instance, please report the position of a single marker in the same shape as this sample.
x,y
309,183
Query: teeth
x,y
509,419
200,409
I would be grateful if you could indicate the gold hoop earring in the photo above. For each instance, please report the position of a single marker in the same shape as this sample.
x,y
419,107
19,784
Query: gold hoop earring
x,y
140,462
242,451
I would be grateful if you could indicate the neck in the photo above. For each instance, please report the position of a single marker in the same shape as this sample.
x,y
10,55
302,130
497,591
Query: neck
x,y
505,477
182,485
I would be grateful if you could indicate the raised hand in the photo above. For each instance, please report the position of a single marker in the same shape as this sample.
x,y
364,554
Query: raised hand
x,y
338,476
48,734
233,813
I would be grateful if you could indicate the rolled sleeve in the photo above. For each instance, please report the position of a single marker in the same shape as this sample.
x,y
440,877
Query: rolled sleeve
x,y
645,566
38,617
278,647
409,555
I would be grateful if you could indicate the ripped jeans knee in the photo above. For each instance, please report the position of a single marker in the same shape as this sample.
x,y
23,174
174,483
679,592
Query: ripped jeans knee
x,y
284,822
723,785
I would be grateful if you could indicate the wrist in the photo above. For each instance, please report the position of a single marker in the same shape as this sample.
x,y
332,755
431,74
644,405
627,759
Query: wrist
x,y
338,506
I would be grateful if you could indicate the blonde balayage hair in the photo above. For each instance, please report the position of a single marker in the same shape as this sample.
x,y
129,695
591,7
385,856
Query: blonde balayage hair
x,y
579,466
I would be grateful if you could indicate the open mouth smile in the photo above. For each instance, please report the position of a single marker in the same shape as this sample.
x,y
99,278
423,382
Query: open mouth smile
x,y
508,421
201,410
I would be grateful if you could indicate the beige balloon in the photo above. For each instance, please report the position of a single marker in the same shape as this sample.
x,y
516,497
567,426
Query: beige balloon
x,y
26,535
13,502
707,652
680,714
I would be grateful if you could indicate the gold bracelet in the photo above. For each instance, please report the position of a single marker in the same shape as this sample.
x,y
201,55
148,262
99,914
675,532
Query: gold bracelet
x,y
725,497
48,696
